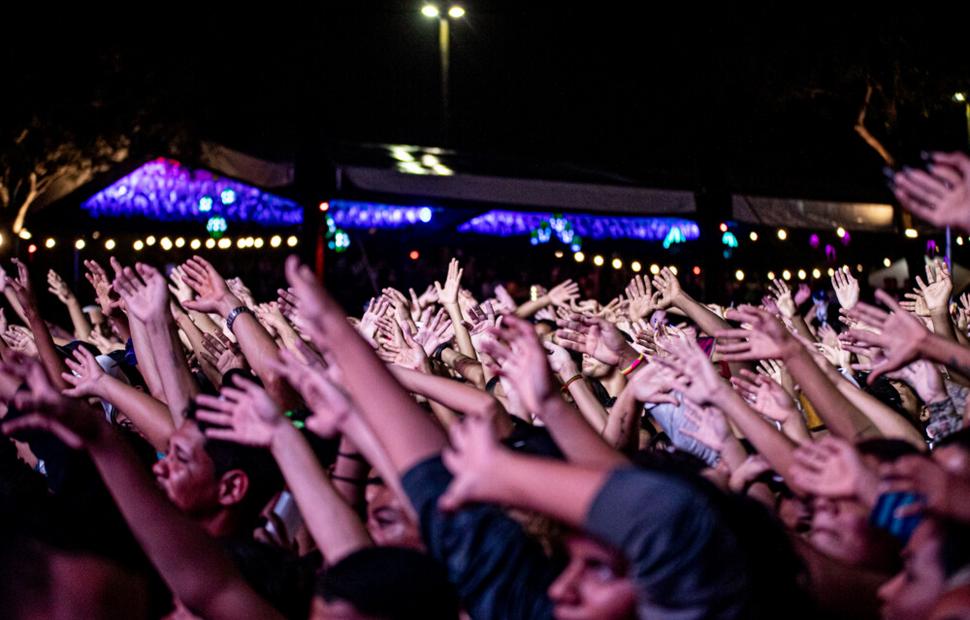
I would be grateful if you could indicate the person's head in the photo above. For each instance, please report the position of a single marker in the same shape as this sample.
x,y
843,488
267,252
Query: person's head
x,y
915,589
595,369
385,583
935,553
42,580
952,453
545,329
841,528
595,584
207,478
387,520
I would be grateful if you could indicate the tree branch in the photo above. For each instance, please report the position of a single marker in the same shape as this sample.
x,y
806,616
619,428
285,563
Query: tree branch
x,y
860,128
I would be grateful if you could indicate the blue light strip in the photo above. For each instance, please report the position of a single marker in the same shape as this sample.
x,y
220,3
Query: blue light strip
x,y
353,214
165,190
512,223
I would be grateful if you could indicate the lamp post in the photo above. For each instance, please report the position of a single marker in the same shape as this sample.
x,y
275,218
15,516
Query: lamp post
x,y
454,12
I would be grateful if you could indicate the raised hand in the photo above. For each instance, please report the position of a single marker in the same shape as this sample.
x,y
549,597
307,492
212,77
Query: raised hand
x,y
697,379
389,332
765,338
244,414
765,396
330,405
940,196
471,460
213,294
560,361
178,287
643,300
87,377
803,294
835,354
506,305
937,288
563,293
961,313
23,290
270,317
221,354
47,409
914,303
783,298
900,334
311,301
924,377
751,468
596,337
448,294
58,287
653,384
240,290
831,467
523,361
287,302
376,308
483,318
402,307
98,278
20,339
145,293
403,350
666,283
707,425
846,288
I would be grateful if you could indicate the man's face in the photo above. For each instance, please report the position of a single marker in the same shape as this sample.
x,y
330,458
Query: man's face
x,y
387,521
915,590
187,474
840,529
594,585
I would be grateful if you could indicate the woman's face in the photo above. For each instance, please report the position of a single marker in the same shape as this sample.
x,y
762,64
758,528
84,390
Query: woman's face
x,y
593,368
594,585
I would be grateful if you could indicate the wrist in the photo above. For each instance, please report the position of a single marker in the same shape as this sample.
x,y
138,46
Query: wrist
x,y
680,299
567,372
227,304
790,348
281,436
626,358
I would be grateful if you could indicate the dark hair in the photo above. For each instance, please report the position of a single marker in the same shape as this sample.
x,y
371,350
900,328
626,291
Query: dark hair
x,y
265,479
774,572
886,450
954,546
392,583
279,576
548,323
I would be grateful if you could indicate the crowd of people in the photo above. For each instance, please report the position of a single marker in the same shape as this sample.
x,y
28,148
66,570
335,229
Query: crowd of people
x,y
185,451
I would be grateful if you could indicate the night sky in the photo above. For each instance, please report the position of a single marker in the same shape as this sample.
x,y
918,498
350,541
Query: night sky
x,y
752,100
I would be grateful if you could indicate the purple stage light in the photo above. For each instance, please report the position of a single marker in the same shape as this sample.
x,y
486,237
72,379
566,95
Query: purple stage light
x,y
503,223
166,190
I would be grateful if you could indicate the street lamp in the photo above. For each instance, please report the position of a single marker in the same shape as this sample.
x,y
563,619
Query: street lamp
x,y
433,12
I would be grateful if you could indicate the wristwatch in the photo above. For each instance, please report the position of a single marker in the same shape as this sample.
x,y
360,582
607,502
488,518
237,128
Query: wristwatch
x,y
234,314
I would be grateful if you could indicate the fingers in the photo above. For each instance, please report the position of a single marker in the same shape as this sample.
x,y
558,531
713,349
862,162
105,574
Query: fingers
x,y
37,421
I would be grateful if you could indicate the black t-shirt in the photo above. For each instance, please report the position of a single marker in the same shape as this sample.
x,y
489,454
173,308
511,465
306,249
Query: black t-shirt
x,y
498,570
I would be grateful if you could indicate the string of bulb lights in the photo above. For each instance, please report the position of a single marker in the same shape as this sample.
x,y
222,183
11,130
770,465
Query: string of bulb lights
x,y
165,243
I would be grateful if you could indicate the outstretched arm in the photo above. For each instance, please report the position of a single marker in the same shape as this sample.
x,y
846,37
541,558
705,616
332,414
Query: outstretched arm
x,y
193,565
